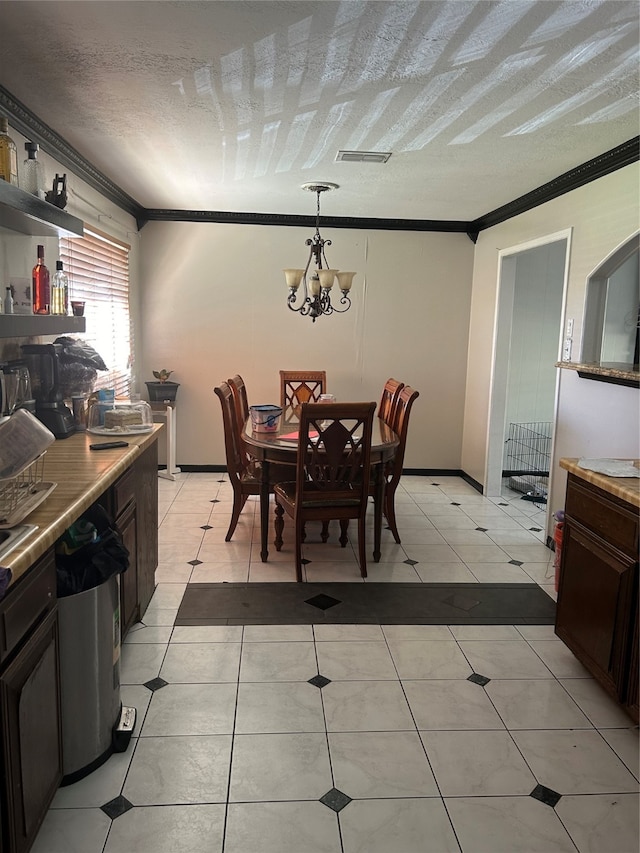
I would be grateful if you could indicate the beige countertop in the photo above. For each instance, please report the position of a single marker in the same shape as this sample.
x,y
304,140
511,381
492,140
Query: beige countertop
x,y
82,475
626,488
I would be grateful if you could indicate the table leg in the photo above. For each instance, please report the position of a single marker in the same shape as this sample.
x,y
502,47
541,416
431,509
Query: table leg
x,y
264,511
377,510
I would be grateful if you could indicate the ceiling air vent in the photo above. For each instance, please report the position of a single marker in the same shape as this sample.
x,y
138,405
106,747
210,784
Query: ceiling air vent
x,y
363,156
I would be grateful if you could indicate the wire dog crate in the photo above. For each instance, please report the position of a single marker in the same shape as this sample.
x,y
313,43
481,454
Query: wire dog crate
x,y
527,459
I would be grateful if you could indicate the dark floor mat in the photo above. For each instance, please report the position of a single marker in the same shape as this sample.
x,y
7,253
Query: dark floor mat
x,y
365,603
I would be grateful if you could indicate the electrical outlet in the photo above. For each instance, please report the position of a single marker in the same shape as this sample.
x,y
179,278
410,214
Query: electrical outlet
x,y
570,328
566,349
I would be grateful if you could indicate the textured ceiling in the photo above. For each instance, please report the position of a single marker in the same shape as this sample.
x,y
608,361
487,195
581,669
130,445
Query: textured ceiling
x,y
231,106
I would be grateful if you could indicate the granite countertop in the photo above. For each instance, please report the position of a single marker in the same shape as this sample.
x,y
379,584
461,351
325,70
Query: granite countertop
x,y
82,475
626,488
613,370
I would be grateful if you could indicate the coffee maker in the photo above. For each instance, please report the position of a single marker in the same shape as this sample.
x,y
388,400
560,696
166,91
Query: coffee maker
x,y
43,363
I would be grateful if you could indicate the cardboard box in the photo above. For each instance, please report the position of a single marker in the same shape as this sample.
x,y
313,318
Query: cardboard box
x,y
22,303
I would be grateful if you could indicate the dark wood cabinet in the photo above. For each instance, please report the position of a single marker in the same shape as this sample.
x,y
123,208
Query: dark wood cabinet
x,y
31,750
31,765
597,611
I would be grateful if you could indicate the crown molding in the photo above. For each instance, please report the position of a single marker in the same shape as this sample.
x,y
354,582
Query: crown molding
x,y
30,126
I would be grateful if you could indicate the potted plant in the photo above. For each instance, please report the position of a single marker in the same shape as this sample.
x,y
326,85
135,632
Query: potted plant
x,y
161,389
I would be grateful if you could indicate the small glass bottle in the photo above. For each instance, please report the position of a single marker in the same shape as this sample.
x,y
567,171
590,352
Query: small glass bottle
x,y
40,285
60,291
8,154
32,172
8,301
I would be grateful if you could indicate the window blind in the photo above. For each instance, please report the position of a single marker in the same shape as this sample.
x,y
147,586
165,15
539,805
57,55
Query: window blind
x,y
98,269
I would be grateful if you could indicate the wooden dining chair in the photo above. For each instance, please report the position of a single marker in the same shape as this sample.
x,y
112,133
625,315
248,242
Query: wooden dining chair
x,y
332,473
239,391
244,472
301,386
389,400
393,471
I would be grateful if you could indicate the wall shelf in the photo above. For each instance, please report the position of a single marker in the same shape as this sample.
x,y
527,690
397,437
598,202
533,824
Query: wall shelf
x,y
29,325
26,214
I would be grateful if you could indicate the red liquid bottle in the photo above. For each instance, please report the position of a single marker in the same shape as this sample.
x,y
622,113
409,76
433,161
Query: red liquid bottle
x,y
41,290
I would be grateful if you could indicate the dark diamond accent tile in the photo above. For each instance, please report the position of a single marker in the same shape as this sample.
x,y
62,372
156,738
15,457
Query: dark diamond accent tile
x,y
411,562
221,481
335,799
536,529
322,601
116,807
305,562
454,503
503,504
462,602
319,681
215,500
482,529
155,684
546,795
195,562
515,562
435,484
206,527
478,679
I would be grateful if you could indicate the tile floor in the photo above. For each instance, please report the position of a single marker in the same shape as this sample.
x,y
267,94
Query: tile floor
x,y
368,738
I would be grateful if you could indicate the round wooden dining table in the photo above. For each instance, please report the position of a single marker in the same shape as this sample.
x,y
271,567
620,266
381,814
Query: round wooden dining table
x,y
272,447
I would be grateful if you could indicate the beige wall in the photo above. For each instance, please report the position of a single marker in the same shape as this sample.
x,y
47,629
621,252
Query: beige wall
x,y
602,215
213,304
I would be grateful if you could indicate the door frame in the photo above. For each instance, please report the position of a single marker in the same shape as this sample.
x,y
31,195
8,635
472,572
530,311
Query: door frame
x,y
502,326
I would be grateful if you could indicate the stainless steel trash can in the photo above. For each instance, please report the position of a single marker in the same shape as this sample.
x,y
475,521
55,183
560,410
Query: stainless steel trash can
x,y
89,632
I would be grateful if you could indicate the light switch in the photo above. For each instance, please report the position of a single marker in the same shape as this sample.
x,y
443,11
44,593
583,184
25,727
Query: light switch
x,y
570,328
566,350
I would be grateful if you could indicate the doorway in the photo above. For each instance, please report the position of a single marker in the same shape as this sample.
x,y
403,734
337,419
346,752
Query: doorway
x,y
529,323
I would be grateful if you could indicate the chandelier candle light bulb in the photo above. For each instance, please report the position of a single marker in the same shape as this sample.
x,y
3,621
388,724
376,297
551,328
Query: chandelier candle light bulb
x,y
317,283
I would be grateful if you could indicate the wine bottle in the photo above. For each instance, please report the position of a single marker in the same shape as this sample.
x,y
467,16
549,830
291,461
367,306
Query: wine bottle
x,y
8,154
40,285
8,301
32,172
60,291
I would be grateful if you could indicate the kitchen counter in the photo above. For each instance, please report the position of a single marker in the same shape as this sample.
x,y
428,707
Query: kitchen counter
x,y
82,475
625,488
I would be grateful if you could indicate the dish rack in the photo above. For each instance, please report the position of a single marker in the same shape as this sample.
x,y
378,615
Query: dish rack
x,y
21,494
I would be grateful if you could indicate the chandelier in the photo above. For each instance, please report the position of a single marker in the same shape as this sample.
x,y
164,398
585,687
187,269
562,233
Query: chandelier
x,y
317,282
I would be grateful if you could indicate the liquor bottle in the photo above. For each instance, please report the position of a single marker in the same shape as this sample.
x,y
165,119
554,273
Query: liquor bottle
x,y
8,302
60,291
32,172
8,154
40,285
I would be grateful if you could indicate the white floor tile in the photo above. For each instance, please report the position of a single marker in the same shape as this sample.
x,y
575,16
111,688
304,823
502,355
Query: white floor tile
x,y
407,825
451,705
278,661
536,704
602,822
72,831
191,709
167,829
279,707
366,706
281,828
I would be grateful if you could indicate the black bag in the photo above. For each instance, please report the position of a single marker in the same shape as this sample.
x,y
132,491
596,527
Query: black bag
x,y
94,563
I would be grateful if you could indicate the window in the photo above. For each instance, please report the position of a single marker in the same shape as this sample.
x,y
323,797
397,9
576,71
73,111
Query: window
x,y
98,270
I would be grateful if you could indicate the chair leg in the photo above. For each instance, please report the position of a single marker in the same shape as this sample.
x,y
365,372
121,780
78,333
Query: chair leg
x,y
239,500
278,526
325,531
344,527
299,531
362,547
390,511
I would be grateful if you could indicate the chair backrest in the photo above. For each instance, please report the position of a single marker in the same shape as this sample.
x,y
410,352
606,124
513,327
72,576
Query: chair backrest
x,y
236,459
389,400
400,426
239,391
301,386
334,451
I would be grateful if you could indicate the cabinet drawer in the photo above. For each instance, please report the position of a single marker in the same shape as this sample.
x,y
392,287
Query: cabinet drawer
x,y
24,605
616,523
123,492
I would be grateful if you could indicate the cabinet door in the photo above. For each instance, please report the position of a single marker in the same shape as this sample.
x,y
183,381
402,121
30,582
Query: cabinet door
x,y
31,741
127,525
594,600
147,507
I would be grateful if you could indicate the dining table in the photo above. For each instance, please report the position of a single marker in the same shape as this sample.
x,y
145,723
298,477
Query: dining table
x,y
268,447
